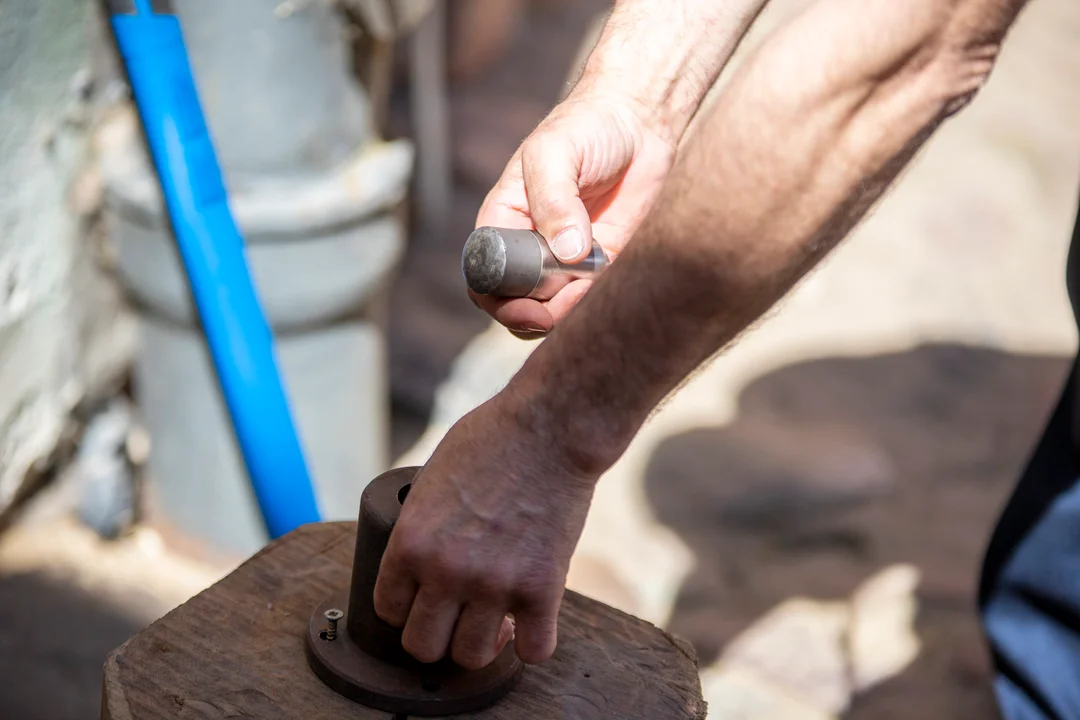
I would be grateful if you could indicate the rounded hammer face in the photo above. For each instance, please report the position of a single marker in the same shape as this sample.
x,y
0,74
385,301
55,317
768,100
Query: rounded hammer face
x,y
513,263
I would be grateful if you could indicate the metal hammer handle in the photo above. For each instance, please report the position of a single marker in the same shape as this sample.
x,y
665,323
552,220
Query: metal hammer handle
x,y
510,263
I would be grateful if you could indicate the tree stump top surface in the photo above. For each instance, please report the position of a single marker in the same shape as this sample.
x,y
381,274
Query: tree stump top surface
x,y
237,650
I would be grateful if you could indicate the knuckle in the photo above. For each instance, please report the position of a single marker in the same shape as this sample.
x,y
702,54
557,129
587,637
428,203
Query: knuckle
x,y
408,549
451,572
544,150
471,580
538,594
488,583
448,569
536,147
392,610
492,584
553,208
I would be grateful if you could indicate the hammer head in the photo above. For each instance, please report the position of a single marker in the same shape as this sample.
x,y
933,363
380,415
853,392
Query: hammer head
x,y
515,263
503,262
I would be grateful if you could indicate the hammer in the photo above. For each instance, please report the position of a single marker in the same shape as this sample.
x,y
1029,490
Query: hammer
x,y
511,263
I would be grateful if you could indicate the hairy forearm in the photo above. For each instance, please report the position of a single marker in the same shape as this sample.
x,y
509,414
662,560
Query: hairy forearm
x,y
664,55
808,135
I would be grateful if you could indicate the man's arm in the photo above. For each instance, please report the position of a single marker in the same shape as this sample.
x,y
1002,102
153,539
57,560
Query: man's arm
x,y
664,55
809,134
806,137
594,167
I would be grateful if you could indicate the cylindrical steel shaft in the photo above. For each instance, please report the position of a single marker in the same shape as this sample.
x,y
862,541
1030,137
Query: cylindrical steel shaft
x,y
380,507
512,263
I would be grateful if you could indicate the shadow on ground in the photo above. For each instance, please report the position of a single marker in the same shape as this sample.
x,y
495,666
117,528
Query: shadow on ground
x,y
837,468
53,641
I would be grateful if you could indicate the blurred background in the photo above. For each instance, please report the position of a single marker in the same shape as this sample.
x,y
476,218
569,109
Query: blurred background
x,y
810,511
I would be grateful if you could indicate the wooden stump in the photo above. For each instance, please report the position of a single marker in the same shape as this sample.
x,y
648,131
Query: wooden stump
x,y
237,650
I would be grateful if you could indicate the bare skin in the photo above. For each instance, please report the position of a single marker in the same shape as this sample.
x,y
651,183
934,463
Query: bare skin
x,y
808,135
595,166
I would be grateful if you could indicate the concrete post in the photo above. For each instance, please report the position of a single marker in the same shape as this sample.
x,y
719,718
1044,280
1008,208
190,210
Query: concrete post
x,y
315,193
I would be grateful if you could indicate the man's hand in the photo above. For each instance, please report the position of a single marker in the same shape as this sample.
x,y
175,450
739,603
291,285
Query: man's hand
x,y
487,531
592,169
595,166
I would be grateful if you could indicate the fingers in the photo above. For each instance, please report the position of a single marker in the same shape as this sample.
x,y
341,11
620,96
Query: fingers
x,y
430,626
436,623
539,189
551,167
566,300
475,635
394,593
522,316
536,631
506,634
505,204
482,632
529,319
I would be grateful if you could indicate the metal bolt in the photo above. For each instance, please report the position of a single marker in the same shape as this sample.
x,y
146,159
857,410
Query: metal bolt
x,y
332,616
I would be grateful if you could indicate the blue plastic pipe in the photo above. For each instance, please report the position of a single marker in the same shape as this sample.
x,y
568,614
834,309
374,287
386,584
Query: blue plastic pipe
x,y
241,344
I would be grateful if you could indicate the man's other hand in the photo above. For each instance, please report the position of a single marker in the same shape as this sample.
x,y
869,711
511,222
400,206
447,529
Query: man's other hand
x,y
592,169
485,534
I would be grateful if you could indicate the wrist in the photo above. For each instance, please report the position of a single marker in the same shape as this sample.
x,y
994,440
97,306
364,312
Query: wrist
x,y
561,425
662,57
662,96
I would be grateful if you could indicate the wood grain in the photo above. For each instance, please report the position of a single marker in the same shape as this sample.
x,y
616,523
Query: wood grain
x,y
237,650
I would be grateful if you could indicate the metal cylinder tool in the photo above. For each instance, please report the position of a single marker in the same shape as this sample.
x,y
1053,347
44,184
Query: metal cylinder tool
x,y
351,649
513,263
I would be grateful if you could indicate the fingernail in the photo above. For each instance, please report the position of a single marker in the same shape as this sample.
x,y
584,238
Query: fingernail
x,y
506,634
568,244
529,327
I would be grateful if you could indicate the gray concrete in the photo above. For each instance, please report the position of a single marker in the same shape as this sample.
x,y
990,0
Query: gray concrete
x,y
59,336
315,194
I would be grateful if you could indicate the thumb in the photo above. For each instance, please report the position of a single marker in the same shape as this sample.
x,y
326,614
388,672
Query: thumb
x,y
551,168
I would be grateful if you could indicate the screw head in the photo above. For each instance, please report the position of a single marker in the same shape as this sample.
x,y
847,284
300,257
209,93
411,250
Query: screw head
x,y
333,614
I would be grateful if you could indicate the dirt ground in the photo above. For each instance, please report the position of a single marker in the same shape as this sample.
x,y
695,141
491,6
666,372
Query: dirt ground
x,y
836,467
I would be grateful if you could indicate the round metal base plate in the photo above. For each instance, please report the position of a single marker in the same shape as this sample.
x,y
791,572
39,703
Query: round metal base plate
x,y
425,690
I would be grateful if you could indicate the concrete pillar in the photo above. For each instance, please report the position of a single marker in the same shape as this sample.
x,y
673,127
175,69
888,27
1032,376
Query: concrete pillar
x,y
315,194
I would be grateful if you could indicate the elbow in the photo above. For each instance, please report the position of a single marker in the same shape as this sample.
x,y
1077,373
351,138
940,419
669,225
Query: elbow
x,y
917,60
